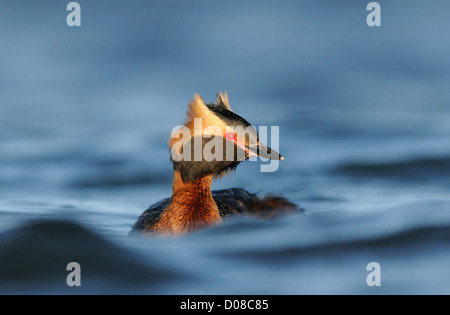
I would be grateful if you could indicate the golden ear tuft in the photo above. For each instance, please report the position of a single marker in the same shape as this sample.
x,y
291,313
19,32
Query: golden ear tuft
x,y
199,109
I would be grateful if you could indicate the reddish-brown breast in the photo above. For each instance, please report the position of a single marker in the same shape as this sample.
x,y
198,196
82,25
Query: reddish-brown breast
x,y
191,208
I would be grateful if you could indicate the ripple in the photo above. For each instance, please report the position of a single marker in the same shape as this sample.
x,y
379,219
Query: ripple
x,y
429,168
33,258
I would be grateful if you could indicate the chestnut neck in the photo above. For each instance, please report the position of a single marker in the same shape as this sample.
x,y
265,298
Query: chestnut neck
x,y
200,188
192,206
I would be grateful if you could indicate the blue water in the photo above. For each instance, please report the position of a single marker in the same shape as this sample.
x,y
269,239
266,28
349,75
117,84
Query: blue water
x,y
364,116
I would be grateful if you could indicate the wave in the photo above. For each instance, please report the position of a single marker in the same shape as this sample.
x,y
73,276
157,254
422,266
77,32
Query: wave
x,y
33,258
397,244
296,254
421,169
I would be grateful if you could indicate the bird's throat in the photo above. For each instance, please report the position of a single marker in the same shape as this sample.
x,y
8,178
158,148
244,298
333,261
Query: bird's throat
x,y
191,207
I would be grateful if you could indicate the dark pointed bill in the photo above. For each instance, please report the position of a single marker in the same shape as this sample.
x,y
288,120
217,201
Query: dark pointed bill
x,y
265,152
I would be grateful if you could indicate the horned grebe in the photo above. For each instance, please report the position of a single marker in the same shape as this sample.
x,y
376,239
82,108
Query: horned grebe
x,y
193,205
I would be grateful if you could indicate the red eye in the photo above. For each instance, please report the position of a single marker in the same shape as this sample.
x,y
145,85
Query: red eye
x,y
231,136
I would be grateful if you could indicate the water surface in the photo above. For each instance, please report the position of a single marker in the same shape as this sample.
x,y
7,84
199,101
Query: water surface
x,y
85,115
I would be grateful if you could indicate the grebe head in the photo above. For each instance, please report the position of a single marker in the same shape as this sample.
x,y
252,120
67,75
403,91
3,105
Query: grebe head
x,y
214,140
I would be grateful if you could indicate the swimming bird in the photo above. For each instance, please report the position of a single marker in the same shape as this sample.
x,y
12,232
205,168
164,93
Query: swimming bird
x,y
193,206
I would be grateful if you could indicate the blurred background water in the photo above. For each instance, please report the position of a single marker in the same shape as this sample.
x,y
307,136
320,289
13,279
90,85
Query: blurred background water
x,y
364,112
